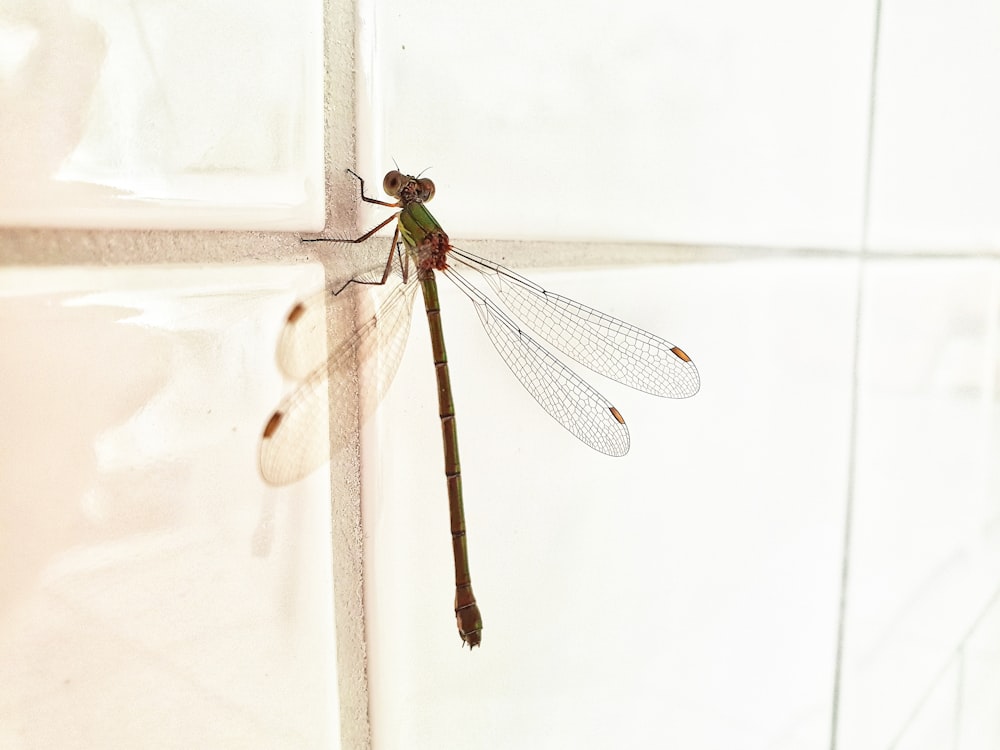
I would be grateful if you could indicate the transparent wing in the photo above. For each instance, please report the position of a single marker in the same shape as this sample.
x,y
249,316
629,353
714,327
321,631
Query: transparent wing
x,y
560,391
604,344
297,437
302,344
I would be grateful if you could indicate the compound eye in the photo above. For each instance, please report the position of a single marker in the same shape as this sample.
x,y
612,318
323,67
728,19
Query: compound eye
x,y
393,183
426,188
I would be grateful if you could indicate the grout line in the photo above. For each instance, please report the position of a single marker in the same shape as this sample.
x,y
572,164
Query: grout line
x,y
571,253
59,246
852,456
873,85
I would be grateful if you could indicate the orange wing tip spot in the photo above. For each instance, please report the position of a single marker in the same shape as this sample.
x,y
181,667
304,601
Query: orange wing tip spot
x,y
272,424
680,353
296,312
617,415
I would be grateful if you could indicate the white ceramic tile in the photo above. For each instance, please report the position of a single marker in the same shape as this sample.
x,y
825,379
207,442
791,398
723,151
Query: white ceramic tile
x,y
153,592
140,114
978,721
685,594
719,122
923,554
936,159
933,724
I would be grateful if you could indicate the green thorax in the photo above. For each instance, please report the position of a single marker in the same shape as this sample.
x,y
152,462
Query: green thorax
x,y
415,223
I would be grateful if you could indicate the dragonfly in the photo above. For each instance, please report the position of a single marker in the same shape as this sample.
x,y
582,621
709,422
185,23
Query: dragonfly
x,y
598,341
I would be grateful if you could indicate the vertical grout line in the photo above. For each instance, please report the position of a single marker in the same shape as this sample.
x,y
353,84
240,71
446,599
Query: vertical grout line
x,y
342,29
852,456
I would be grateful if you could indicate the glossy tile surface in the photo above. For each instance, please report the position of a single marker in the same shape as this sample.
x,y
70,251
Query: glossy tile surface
x,y
686,592
714,122
142,115
935,157
924,566
153,592
692,594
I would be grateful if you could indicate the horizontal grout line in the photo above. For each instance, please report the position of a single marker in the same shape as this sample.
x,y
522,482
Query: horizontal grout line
x,y
51,246
523,253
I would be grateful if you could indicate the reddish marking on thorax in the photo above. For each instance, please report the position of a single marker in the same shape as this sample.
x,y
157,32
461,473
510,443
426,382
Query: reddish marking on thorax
x,y
433,251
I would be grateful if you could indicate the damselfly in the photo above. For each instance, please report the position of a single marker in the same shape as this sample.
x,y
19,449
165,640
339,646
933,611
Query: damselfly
x,y
292,443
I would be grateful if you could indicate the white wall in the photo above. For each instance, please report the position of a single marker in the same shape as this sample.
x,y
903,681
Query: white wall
x,y
689,595
801,556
